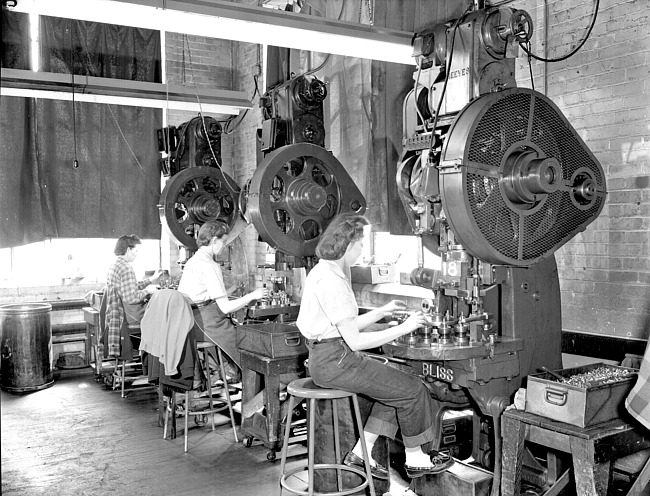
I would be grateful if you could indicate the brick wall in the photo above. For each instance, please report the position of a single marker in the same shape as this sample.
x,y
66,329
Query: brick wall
x,y
604,92
202,62
248,59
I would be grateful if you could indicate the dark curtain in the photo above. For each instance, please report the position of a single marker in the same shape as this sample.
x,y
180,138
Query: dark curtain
x,y
15,40
116,186
101,50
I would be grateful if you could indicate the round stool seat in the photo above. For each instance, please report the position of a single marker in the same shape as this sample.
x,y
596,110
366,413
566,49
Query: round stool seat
x,y
201,345
305,388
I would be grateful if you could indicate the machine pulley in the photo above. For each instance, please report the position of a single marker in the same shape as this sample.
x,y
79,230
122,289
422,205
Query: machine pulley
x,y
294,194
195,196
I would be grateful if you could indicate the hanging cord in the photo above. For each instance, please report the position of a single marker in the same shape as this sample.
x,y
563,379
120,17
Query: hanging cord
x,y
239,118
327,57
75,162
447,71
415,96
572,52
233,185
530,69
369,5
144,173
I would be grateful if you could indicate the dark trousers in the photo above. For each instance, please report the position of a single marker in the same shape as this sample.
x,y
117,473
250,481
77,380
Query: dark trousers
x,y
401,399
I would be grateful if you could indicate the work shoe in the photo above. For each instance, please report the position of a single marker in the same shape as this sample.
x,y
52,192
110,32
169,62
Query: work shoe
x,y
441,462
377,470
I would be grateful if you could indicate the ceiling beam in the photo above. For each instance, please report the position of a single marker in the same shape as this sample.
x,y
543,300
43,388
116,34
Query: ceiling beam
x,y
16,82
237,22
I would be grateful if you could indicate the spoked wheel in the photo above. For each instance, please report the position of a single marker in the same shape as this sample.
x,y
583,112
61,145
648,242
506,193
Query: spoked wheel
x,y
195,196
295,193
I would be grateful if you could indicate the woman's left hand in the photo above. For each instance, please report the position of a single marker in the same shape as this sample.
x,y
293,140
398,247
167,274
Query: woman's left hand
x,y
393,306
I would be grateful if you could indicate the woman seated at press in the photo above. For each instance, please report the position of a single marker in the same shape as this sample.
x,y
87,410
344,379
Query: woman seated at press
x,y
202,282
329,319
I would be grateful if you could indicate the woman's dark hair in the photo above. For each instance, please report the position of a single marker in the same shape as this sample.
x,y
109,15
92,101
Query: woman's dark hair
x,y
125,242
343,230
211,229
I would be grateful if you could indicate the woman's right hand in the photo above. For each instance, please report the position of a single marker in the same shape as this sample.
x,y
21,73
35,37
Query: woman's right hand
x,y
414,321
259,294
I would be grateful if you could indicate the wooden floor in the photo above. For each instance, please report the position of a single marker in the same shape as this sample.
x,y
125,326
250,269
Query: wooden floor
x,y
79,437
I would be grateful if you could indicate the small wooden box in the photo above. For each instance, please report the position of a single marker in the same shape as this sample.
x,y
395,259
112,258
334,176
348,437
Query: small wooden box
x,y
594,403
271,339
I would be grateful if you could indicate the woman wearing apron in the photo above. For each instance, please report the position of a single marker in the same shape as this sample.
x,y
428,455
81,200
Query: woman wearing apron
x,y
202,282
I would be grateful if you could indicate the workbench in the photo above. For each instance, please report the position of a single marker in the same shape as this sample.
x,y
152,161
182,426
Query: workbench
x,y
261,375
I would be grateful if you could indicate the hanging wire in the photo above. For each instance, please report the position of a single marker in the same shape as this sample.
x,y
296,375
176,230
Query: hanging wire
x,y
233,185
447,72
117,124
415,88
572,52
75,162
144,173
530,69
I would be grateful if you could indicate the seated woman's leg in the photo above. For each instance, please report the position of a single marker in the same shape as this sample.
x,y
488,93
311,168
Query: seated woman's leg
x,y
214,326
401,398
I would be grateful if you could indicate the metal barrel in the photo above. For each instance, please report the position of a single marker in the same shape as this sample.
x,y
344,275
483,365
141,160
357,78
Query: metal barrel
x,y
26,346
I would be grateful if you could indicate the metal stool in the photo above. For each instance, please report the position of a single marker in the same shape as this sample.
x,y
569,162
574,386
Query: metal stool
x,y
306,389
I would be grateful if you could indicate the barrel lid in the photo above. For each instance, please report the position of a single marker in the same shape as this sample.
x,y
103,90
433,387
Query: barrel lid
x,y
27,307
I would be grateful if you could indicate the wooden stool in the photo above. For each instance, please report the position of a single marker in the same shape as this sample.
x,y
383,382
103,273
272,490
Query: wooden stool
x,y
594,449
204,348
306,389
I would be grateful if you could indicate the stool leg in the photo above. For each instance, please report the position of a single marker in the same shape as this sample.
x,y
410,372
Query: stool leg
x,y
116,371
206,363
167,408
337,445
310,445
285,446
123,376
227,390
366,455
187,415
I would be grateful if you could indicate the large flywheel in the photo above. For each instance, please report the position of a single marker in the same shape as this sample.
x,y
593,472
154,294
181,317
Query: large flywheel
x,y
516,180
294,194
195,196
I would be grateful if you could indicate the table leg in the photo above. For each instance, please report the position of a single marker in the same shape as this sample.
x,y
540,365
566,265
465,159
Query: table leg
x,y
592,479
512,457
273,419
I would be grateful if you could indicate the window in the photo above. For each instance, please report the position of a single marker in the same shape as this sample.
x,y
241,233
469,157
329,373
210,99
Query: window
x,y
69,261
401,251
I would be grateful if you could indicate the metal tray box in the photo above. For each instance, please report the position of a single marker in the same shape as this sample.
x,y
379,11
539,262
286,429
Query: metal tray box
x,y
585,405
271,339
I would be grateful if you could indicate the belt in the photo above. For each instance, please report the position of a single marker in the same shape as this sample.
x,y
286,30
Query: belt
x,y
313,342
202,303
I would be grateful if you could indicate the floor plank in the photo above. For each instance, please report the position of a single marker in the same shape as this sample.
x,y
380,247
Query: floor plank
x,y
78,437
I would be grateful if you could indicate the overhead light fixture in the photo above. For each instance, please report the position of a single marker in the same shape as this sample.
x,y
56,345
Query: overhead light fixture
x,y
237,22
